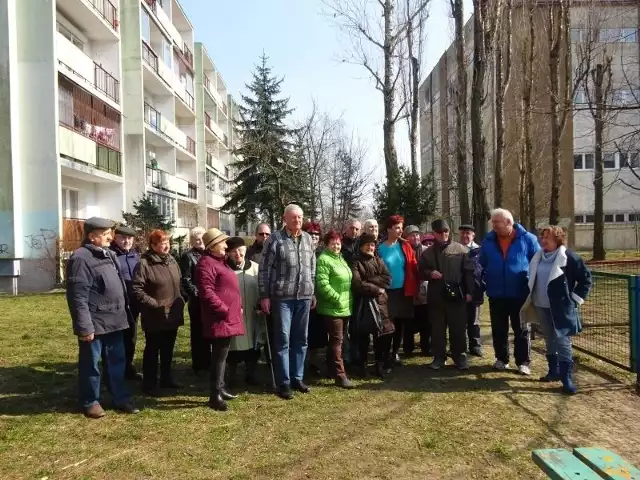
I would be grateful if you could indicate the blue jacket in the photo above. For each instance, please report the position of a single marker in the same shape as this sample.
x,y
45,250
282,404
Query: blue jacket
x,y
128,262
508,277
568,285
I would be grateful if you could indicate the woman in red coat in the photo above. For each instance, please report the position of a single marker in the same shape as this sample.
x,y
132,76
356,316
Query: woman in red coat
x,y
221,309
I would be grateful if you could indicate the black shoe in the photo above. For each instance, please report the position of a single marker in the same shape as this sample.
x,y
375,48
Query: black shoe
x,y
380,370
344,382
169,383
151,391
226,395
127,408
476,351
131,374
285,392
300,386
216,402
314,370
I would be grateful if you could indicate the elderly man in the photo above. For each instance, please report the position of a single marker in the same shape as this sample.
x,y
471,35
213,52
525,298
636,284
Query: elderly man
x,y
263,232
350,240
447,267
504,257
286,282
128,260
99,308
420,319
200,348
466,236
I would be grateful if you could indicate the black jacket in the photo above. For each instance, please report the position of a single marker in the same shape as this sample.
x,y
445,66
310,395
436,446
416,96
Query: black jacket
x,y
188,263
349,248
96,292
254,252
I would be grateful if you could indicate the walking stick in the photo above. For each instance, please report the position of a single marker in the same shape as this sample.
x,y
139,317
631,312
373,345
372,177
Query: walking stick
x,y
273,376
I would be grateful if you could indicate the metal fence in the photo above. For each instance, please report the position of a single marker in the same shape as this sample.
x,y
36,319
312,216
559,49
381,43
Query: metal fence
x,y
611,321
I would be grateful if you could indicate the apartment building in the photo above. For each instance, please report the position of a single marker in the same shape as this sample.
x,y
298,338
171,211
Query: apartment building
x,y
437,126
100,103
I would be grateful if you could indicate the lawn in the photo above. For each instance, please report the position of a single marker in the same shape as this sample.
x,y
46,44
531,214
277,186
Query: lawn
x,y
420,424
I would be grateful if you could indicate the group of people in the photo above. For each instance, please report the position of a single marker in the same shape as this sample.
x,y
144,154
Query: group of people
x,y
296,295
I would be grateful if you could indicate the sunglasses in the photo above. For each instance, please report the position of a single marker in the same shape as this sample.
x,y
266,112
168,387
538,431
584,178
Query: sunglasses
x,y
315,234
264,234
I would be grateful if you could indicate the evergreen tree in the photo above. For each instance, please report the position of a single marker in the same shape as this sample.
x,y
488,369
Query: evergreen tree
x,y
145,218
269,175
414,198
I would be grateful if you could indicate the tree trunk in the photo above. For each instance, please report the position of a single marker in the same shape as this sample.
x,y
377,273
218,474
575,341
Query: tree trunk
x,y
461,112
415,118
526,121
388,93
598,75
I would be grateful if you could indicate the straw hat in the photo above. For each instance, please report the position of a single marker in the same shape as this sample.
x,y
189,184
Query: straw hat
x,y
212,237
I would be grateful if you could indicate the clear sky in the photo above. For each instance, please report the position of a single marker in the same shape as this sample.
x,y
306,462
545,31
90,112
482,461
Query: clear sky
x,y
304,47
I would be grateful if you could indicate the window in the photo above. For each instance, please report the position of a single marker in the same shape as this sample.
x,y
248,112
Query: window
x,y
589,218
610,35
633,160
579,218
608,218
145,25
69,203
164,203
66,33
625,97
634,217
577,35
167,52
619,218
629,35
609,160
580,97
588,161
583,161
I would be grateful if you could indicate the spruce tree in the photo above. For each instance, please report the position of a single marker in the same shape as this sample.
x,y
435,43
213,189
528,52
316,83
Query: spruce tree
x,y
145,218
268,168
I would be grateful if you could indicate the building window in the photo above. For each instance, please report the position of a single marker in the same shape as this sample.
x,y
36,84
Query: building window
x,y
145,25
608,218
69,203
90,116
619,218
577,35
165,204
580,97
634,217
629,35
167,52
66,33
631,159
589,218
609,160
583,161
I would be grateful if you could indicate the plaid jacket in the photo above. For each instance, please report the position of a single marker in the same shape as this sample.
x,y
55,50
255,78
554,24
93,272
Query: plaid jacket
x,y
287,268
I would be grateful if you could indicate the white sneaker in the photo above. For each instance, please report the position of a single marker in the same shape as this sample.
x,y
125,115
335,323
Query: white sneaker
x,y
500,365
524,370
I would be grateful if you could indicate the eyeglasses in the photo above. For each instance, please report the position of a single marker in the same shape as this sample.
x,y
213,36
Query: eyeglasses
x,y
264,234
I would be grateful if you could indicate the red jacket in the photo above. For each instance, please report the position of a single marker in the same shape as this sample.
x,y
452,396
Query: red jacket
x,y
220,300
411,278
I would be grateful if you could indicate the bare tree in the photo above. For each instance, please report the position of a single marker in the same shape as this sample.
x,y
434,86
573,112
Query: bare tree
x,y
461,110
485,18
375,36
502,75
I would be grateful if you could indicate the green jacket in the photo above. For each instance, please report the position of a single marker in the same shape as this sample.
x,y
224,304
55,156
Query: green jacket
x,y
333,285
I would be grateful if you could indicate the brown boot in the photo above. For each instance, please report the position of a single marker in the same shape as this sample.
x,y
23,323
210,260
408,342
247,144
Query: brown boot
x,y
94,411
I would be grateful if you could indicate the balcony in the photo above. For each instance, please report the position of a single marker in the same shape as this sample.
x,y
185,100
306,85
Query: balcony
x,y
84,150
188,55
98,18
106,10
225,139
191,145
149,57
213,126
80,68
164,128
170,183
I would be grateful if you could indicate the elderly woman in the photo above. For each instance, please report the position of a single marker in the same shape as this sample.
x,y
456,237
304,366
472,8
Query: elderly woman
x,y
200,349
317,337
244,348
559,282
400,258
220,308
156,286
371,227
333,294
370,281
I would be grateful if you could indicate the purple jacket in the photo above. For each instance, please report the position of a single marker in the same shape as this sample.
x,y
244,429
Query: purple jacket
x,y
220,300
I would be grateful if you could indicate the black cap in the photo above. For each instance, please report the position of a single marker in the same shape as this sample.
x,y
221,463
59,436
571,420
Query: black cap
x,y
367,238
127,231
235,242
439,225
96,223
468,227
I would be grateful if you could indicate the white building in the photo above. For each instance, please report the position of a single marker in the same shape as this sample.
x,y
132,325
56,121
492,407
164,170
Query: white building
x,y
100,102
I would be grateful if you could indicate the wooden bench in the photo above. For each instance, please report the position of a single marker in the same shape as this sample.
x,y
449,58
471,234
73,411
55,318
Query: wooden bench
x,y
584,464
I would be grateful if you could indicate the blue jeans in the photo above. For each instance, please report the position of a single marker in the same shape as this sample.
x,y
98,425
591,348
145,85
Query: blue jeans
x,y
559,345
111,345
290,328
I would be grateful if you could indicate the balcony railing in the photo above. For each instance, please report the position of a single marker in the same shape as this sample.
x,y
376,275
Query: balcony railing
x,y
107,10
105,82
190,101
224,107
209,159
207,120
193,191
207,83
152,117
188,55
225,138
150,57
108,160
191,145
170,183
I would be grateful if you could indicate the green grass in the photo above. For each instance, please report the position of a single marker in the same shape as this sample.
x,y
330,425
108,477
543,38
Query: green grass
x,y
420,424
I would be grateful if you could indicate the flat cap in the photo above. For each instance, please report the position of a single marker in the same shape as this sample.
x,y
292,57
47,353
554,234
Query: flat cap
x,y
127,231
466,226
235,242
409,229
96,223
439,225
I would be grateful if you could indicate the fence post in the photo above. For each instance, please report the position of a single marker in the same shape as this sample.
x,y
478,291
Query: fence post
x,y
634,324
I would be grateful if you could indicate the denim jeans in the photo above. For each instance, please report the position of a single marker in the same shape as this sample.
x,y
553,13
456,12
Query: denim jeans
x,y
290,327
111,346
559,345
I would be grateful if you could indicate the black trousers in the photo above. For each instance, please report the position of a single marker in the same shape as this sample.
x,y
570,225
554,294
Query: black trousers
x,y
200,346
473,325
381,348
504,311
452,316
219,354
403,335
129,337
418,324
160,344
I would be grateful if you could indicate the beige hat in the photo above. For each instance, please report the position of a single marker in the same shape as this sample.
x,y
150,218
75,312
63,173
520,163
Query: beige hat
x,y
212,237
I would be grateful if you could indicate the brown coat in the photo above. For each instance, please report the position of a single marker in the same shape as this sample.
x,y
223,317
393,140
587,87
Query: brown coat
x,y
156,287
370,275
453,263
